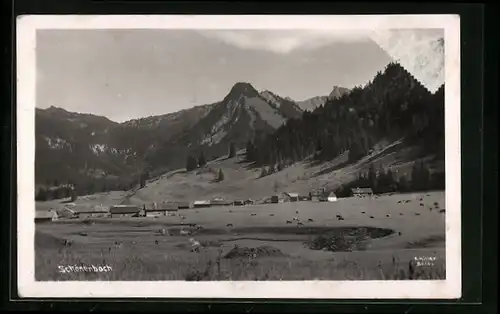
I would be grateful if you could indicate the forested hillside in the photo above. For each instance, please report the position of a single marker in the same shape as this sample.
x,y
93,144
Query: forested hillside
x,y
393,105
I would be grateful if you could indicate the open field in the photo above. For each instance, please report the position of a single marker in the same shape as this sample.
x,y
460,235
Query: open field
x,y
395,229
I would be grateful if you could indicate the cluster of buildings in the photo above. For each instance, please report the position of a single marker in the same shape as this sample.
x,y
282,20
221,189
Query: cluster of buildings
x,y
168,208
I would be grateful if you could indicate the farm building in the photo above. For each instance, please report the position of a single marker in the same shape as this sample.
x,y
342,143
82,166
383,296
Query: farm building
x,y
201,204
219,202
239,203
183,205
165,206
92,213
304,198
249,202
327,197
362,192
292,197
45,216
314,196
275,199
66,213
124,211
155,213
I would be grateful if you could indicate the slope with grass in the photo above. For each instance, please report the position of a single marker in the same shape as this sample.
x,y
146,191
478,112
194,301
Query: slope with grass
x,y
136,250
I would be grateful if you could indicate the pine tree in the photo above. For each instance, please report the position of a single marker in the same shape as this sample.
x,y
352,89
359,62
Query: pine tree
x,y
220,176
403,184
201,160
191,163
425,177
232,150
372,177
250,152
41,195
276,186
73,195
144,177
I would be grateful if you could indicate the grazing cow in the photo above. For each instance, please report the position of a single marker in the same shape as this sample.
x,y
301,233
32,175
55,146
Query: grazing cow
x,y
310,220
229,225
184,232
341,218
156,242
300,223
372,217
67,242
271,214
417,214
230,211
253,214
363,212
442,210
288,222
399,202
387,215
421,204
195,245
399,233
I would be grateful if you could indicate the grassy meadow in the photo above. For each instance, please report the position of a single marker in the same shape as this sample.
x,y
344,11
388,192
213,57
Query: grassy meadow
x,y
377,238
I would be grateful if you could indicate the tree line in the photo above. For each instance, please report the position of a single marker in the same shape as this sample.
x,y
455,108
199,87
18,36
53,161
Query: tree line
x,y
393,105
386,181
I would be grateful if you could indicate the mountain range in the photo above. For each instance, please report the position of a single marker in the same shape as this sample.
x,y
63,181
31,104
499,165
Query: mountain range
x,y
97,154
76,147
314,102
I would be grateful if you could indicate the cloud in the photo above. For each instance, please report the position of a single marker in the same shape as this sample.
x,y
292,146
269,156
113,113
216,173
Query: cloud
x,y
283,41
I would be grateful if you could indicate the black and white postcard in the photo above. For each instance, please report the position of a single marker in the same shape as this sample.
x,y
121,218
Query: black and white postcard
x,y
239,156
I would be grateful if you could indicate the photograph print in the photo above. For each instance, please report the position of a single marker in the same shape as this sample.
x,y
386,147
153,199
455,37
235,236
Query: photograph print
x,y
285,154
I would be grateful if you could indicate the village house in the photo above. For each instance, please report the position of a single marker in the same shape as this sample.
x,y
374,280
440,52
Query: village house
x,y
362,192
249,202
304,198
124,211
239,203
45,216
275,199
327,197
220,202
155,213
314,196
183,205
292,197
201,204
92,213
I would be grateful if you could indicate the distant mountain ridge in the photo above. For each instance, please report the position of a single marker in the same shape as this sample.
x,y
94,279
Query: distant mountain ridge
x,y
81,147
314,102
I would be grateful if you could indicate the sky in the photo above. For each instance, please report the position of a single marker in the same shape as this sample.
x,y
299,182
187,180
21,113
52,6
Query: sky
x,y
128,74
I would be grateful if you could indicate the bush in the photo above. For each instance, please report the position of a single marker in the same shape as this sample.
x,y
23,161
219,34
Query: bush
x,y
232,150
263,173
41,195
191,163
202,161
220,176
